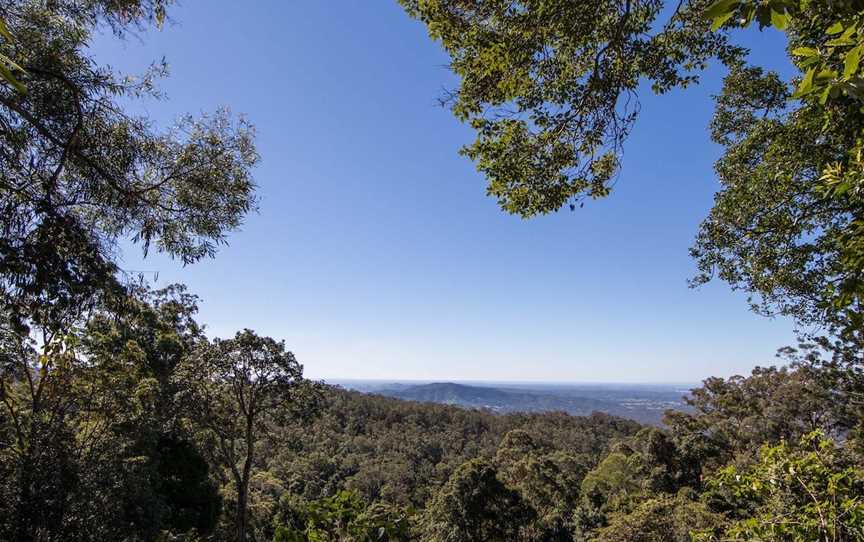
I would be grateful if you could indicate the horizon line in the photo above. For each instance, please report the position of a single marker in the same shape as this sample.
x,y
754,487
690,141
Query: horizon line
x,y
477,380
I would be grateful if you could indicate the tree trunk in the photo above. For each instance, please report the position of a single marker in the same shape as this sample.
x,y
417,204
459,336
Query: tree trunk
x,y
242,498
243,489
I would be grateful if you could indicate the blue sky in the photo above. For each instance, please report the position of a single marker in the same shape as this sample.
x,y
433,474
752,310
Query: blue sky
x,y
377,254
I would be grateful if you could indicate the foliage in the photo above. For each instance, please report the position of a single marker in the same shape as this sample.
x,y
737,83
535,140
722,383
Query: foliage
x,y
795,494
8,67
400,452
345,517
548,481
736,415
550,86
661,518
231,388
786,224
91,446
475,506
121,420
78,172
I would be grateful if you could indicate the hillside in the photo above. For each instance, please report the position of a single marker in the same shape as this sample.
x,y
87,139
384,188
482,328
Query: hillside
x,y
639,405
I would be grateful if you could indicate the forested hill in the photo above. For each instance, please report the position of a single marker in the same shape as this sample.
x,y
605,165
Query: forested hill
x,y
400,452
643,405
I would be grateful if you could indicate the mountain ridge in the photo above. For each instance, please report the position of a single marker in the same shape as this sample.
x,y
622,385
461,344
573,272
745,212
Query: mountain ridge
x,y
647,409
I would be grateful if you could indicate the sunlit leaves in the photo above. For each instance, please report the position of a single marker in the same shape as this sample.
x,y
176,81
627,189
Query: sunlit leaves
x,y
8,68
818,237
796,493
550,86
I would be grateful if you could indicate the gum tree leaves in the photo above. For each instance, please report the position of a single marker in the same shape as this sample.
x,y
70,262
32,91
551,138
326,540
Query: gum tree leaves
x,y
550,86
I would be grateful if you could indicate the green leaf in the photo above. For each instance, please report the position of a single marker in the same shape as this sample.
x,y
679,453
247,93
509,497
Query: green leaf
x,y
809,61
806,84
805,51
835,28
721,20
722,8
4,30
851,62
7,75
11,64
779,19
825,75
840,42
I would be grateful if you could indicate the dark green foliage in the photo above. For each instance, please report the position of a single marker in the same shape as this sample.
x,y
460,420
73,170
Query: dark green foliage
x,y
548,480
230,390
736,415
475,506
91,440
662,518
120,420
343,517
374,468
400,452
184,483
94,443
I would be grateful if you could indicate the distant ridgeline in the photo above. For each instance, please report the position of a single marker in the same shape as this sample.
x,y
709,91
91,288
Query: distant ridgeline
x,y
644,404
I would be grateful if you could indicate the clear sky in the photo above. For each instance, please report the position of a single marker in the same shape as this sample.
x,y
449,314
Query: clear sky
x,y
377,254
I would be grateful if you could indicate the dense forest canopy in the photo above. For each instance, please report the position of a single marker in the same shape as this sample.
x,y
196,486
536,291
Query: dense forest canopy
x,y
121,419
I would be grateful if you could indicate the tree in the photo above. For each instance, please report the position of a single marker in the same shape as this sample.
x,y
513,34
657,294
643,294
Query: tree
x,y
8,67
794,493
548,481
475,506
232,388
78,172
39,443
801,252
90,440
144,337
344,517
660,518
733,417
85,381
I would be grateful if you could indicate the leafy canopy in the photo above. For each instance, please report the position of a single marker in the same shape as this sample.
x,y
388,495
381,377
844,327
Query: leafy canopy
x,y
550,86
78,173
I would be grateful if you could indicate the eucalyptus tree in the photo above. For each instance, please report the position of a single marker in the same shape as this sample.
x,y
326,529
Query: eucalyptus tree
x,y
86,406
232,389
79,172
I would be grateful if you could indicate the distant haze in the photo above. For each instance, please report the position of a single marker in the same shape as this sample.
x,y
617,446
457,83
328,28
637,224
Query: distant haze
x,y
645,403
